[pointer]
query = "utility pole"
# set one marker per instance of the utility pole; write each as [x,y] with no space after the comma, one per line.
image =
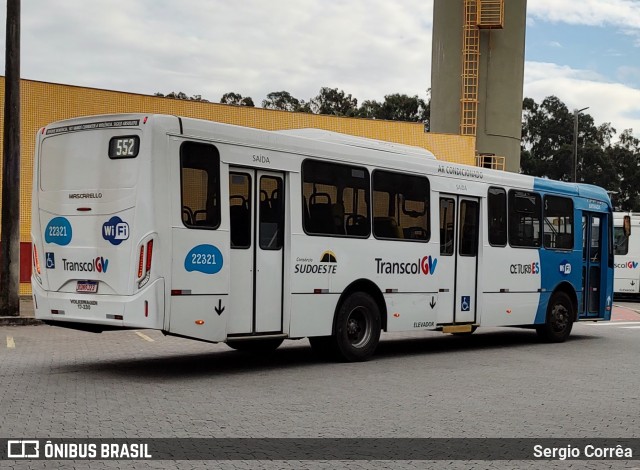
[10,233]
[576,112]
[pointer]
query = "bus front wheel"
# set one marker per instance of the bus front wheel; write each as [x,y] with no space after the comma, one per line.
[357,330]
[559,321]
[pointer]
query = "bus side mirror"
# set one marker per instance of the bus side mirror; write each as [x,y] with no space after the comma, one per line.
[626,226]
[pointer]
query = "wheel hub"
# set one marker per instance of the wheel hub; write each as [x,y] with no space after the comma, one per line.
[559,317]
[358,328]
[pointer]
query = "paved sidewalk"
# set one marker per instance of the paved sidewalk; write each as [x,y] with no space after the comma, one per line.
[624,313]
[26,317]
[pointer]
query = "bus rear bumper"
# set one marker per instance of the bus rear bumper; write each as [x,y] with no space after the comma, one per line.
[142,310]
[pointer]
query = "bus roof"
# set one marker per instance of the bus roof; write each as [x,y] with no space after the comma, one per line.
[362,142]
[572,189]
[332,146]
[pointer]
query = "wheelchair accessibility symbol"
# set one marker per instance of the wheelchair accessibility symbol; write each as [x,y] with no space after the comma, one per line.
[465,304]
[51,260]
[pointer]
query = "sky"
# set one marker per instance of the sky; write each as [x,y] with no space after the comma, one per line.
[585,52]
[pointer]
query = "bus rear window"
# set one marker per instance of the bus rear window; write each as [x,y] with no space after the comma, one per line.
[80,161]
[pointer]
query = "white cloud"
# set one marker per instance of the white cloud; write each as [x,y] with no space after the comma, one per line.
[628,73]
[366,47]
[607,102]
[623,13]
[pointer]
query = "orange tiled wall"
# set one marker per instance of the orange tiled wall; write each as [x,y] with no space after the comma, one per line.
[43,103]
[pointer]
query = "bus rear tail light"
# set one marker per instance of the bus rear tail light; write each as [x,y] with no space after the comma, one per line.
[149,254]
[144,268]
[36,260]
[141,262]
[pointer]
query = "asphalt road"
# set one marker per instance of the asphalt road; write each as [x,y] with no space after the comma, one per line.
[58,383]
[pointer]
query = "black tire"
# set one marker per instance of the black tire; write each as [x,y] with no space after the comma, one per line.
[357,328]
[256,345]
[559,321]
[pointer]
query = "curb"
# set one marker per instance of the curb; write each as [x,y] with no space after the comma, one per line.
[19,321]
[26,315]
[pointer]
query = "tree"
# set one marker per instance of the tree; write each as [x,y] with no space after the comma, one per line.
[547,151]
[181,96]
[335,102]
[370,109]
[236,99]
[547,139]
[397,107]
[626,156]
[281,100]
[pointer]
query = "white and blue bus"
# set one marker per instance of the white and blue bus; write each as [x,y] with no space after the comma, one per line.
[626,253]
[230,234]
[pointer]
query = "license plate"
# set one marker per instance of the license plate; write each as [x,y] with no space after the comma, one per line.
[87,287]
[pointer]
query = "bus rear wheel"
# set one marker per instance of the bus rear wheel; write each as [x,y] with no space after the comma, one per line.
[256,345]
[357,328]
[559,321]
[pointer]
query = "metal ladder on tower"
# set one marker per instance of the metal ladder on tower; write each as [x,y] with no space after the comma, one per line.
[478,14]
[470,69]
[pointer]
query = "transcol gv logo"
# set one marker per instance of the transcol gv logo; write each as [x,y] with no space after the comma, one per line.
[97,265]
[426,265]
[627,265]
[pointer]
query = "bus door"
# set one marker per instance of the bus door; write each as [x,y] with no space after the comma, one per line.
[256,208]
[458,263]
[200,265]
[594,243]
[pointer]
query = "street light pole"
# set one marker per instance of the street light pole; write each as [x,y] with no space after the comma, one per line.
[575,142]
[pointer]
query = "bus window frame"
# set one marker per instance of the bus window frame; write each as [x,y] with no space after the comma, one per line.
[216,189]
[505,214]
[367,191]
[427,213]
[544,219]
[537,195]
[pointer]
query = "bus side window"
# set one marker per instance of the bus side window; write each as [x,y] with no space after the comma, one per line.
[558,223]
[271,222]
[240,209]
[200,185]
[337,199]
[447,226]
[621,241]
[400,206]
[497,214]
[525,214]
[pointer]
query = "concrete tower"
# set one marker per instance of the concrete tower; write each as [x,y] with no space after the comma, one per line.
[477,73]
